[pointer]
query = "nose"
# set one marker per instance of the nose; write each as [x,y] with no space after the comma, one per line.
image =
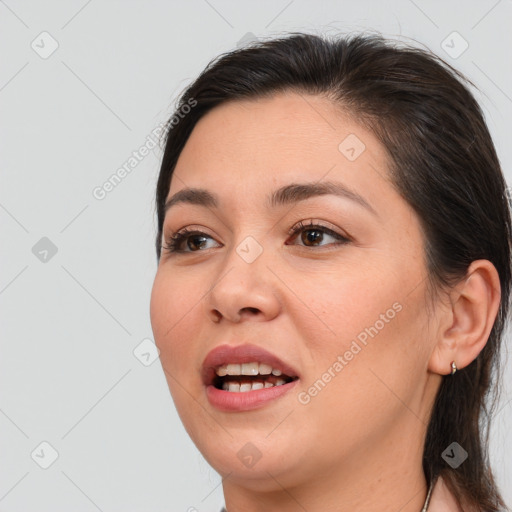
[243,291]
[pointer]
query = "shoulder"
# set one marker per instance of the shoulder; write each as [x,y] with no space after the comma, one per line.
[442,499]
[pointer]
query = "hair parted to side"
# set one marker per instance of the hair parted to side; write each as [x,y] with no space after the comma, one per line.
[441,160]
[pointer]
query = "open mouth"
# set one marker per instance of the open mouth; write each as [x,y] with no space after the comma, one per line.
[243,377]
[246,377]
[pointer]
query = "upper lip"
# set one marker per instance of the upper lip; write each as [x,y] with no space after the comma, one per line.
[247,353]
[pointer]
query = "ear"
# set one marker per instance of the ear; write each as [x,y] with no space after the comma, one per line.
[465,325]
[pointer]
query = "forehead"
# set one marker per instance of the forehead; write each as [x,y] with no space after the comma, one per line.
[247,146]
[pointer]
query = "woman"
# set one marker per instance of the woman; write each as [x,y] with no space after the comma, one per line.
[334,275]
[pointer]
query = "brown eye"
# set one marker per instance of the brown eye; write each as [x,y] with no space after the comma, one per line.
[312,235]
[195,241]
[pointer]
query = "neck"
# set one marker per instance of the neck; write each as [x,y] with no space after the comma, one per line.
[372,489]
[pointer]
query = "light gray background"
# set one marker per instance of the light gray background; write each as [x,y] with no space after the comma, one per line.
[70,324]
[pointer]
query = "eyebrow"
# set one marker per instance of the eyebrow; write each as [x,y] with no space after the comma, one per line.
[291,193]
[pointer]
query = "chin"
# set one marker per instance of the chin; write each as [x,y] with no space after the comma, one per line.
[255,464]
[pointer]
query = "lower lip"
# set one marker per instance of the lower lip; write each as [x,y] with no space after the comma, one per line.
[245,400]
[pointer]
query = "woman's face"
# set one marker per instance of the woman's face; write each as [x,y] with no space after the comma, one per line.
[338,307]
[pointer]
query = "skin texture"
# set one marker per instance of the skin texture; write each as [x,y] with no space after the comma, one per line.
[356,445]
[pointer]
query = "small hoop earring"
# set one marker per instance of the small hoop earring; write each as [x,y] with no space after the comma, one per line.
[454,368]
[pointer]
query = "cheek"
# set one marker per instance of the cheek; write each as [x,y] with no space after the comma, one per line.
[368,332]
[373,314]
[174,310]
[334,308]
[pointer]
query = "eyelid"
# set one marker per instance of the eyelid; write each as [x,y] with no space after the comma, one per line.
[317,223]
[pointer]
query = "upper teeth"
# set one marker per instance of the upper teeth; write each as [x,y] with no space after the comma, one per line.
[247,369]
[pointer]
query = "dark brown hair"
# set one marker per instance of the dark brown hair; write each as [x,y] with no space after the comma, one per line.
[442,161]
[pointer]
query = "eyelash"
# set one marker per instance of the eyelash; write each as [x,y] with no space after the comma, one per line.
[173,243]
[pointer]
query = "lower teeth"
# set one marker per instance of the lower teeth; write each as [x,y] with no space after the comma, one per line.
[237,387]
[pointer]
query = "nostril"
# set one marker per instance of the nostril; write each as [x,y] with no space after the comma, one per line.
[251,310]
